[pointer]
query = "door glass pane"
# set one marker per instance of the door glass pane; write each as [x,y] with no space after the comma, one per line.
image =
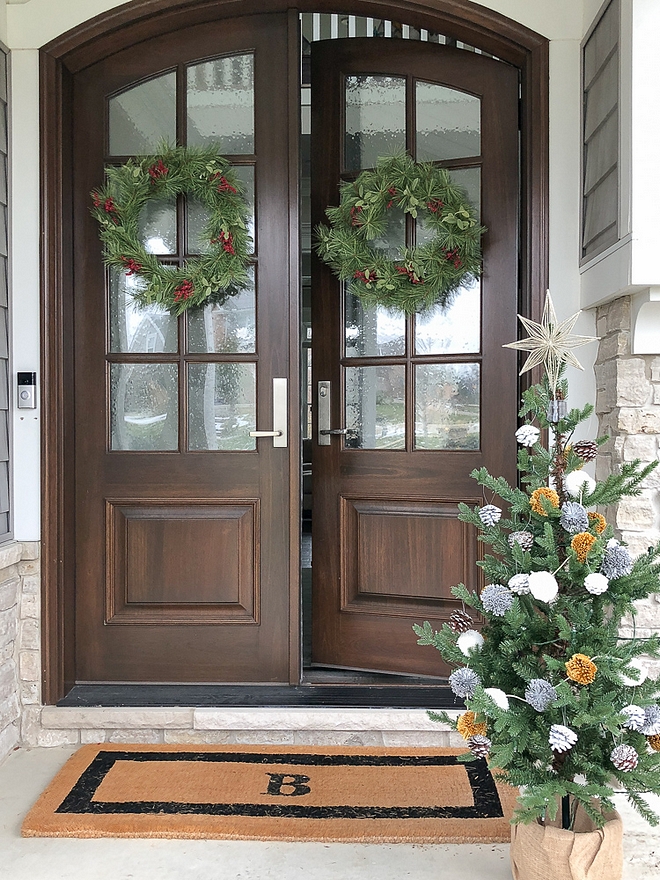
[144,407]
[222,406]
[376,407]
[143,117]
[447,406]
[456,328]
[221,104]
[198,215]
[226,327]
[448,123]
[134,327]
[375,119]
[157,226]
[373,330]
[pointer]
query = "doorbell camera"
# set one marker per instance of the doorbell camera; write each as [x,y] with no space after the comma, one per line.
[27,390]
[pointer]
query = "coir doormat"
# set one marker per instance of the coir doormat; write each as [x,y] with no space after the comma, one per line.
[274,793]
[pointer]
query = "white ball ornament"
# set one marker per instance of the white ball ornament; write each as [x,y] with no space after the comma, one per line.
[543,586]
[578,483]
[498,697]
[469,641]
[596,583]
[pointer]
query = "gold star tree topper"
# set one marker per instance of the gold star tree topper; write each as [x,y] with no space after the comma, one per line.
[550,342]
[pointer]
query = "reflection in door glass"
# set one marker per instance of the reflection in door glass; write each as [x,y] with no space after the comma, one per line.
[375,119]
[447,406]
[221,406]
[134,327]
[143,117]
[144,407]
[221,104]
[224,327]
[448,123]
[373,331]
[456,328]
[376,407]
[157,226]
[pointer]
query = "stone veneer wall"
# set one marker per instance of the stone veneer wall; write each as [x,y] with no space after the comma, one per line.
[628,409]
[19,637]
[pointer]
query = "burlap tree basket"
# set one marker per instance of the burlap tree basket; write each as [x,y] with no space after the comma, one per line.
[546,852]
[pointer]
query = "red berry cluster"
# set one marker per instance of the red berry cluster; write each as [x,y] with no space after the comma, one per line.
[184,291]
[454,258]
[223,185]
[356,220]
[412,277]
[392,191]
[226,239]
[132,265]
[158,170]
[435,205]
[361,275]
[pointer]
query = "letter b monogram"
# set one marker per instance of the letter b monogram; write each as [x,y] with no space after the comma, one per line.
[288,784]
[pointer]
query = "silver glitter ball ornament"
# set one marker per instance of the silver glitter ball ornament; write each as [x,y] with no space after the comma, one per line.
[635,717]
[562,738]
[519,584]
[490,514]
[624,757]
[540,694]
[525,539]
[574,517]
[464,681]
[617,562]
[496,599]
[479,745]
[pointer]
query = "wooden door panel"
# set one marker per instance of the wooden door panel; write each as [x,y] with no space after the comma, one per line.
[387,546]
[182,556]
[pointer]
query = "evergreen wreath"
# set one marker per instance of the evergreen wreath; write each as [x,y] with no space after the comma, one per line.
[422,276]
[203,174]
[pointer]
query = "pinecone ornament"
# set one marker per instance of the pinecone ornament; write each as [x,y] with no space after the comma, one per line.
[540,694]
[586,449]
[624,757]
[490,514]
[479,745]
[635,717]
[562,738]
[519,584]
[460,622]
[525,539]
[464,681]
[527,435]
[496,599]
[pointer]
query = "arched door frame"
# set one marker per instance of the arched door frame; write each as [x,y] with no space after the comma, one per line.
[128,25]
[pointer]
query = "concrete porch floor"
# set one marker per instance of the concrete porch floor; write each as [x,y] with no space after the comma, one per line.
[26,772]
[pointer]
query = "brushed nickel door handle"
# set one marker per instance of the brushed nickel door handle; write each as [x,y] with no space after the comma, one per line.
[279,432]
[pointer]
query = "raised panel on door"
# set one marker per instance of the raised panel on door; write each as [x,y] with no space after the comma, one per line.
[422,400]
[182,565]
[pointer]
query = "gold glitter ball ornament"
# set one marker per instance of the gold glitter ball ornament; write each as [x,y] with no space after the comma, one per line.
[582,544]
[467,726]
[598,522]
[581,669]
[544,492]
[654,742]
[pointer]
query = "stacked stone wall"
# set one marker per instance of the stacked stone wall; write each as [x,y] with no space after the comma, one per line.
[628,409]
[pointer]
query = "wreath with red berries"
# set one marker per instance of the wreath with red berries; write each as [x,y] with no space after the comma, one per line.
[422,276]
[202,174]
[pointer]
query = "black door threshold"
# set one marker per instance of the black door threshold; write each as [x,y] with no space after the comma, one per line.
[337,696]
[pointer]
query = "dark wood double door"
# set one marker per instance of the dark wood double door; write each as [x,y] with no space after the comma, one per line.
[187,535]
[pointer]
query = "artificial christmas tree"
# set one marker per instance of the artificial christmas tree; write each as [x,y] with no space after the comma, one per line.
[559,702]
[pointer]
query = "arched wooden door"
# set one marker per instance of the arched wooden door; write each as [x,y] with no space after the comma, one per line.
[421,401]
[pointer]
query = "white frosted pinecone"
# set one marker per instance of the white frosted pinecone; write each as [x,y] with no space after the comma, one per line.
[540,694]
[463,682]
[479,745]
[586,449]
[624,757]
[527,435]
[519,584]
[635,717]
[490,514]
[496,599]
[525,539]
[574,517]
[562,738]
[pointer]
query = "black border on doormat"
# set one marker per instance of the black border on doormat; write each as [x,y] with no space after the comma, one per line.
[487,804]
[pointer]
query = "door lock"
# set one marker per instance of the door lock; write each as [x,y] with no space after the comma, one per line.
[325,432]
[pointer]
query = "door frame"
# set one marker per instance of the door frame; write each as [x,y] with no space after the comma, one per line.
[131,24]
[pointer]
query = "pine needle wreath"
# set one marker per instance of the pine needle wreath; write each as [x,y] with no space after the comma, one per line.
[202,174]
[422,276]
